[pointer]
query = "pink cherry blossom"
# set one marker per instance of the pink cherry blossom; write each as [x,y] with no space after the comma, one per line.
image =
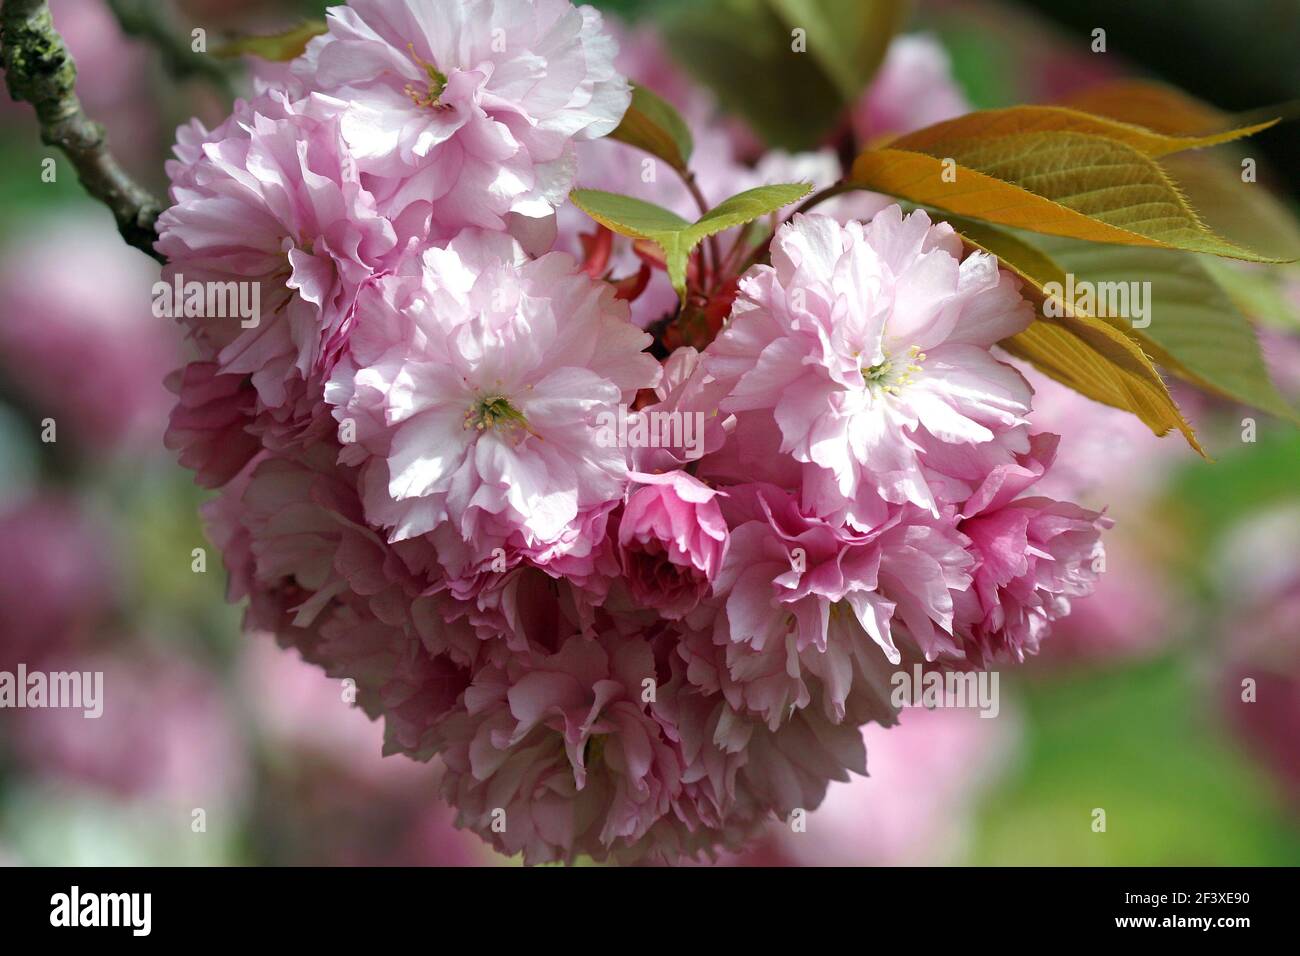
[272,203]
[628,650]
[869,344]
[209,425]
[814,611]
[571,755]
[464,113]
[476,390]
[565,749]
[1033,555]
[672,541]
[685,389]
[294,542]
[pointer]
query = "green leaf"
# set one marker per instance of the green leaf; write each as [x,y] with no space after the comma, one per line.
[652,124]
[847,38]
[277,47]
[977,139]
[1078,350]
[1260,294]
[1245,213]
[628,216]
[1050,170]
[747,206]
[744,50]
[633,217]
[1197,332]
[1242,211]
[1156,106]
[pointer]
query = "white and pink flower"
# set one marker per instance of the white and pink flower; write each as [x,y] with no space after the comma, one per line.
[465,113]
[476,387]
[1033,555]
[623,649]
[273,201]
[672,541]
[870,347]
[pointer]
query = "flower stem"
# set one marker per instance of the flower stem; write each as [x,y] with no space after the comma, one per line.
[715,253]
[821,196]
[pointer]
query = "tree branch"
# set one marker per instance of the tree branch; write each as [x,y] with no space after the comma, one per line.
[142,21]
[39,70]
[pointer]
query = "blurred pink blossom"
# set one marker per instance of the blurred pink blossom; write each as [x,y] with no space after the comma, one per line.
[55,579]
[924,780]
[1259,575]
[912,89]
[78,334]
[296,705]
[166,733]
[1109,459]
[1282,353]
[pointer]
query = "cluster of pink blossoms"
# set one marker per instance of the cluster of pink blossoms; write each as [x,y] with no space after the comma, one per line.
[431,480]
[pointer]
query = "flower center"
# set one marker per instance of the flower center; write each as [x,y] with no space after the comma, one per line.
[889,376]
[427,97]
[493,411]
[594,750]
